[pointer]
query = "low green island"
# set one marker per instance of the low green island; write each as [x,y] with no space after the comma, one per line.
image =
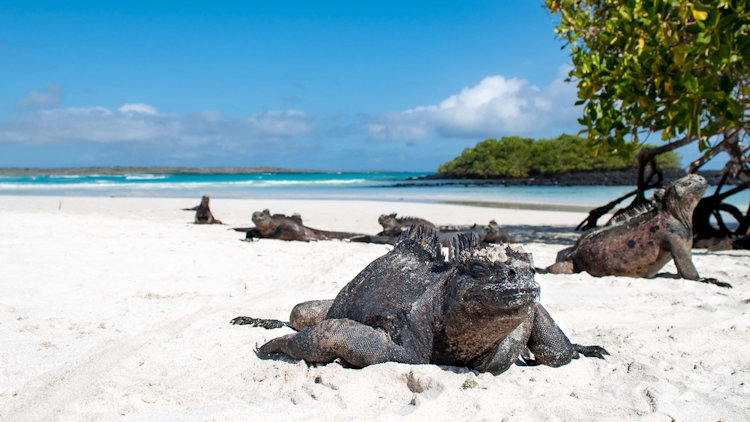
[517,157]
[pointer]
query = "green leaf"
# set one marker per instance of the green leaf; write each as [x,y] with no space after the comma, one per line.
[670,66]
[703,38]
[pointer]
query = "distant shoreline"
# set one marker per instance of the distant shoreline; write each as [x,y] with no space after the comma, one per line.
[616,177]
[129,170]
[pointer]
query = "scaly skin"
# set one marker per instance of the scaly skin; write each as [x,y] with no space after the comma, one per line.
[479,310]
[278,226]
[203,213]
[394,226]
[641,245]
[491,233]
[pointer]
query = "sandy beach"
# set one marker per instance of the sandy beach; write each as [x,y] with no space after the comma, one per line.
[119,309]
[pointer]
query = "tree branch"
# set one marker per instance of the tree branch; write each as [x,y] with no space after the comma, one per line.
[721,146]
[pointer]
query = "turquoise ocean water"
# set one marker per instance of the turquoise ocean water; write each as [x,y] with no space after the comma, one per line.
[368,186]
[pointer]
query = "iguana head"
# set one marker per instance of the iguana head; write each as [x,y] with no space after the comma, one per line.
[388,221]
[495,233]
[489,293]
[681,196]
[264,222]
[497,279]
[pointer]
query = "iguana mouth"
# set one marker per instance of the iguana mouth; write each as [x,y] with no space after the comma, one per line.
[502,298]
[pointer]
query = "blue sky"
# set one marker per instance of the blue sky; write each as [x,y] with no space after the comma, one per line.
[328,85]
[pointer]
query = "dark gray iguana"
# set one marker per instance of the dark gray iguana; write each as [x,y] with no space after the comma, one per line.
[394,226]
[479,310]
[279,226]
[640,245]
[491,233]
[203,213]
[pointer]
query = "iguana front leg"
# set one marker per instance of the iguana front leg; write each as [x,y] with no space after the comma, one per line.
[506,352]
[683,260]
[551,346]
[358,344]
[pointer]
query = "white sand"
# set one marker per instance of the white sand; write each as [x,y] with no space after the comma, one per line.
[119,309]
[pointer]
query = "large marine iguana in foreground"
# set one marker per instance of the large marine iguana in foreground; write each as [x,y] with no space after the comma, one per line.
[640,245]
[203,213]
[282,227]
[480,309]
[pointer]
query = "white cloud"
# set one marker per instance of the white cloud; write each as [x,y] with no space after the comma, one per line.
[49,96]
[143,123]
[137,108]
[493,107]
[280,123]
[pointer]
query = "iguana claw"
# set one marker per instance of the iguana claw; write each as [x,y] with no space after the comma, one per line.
[591,351]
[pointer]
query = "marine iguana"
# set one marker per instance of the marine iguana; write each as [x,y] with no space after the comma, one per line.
[282,227]
[203,213]
[491,233]
[480,309]
[640,245]
[394,226]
